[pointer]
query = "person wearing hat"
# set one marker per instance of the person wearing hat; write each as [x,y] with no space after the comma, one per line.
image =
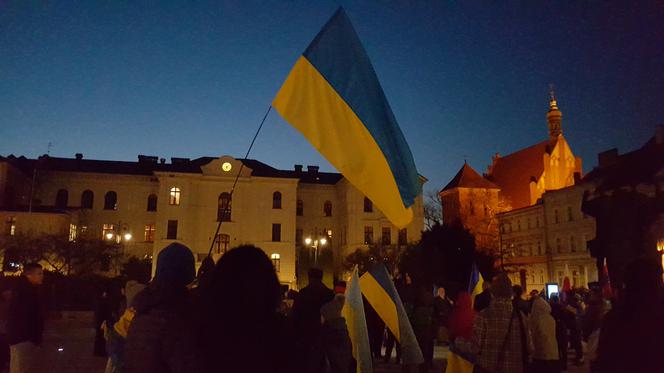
[160,337]
[501,332]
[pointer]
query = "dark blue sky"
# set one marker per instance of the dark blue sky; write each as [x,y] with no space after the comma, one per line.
[465,79]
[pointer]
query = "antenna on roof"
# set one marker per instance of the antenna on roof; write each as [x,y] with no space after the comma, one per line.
[48,148]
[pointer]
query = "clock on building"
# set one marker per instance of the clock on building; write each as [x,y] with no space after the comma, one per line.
[226,166]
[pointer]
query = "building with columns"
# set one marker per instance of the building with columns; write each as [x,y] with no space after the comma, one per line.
[154,203]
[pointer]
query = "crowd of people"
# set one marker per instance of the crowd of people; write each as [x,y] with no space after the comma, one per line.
[235,317]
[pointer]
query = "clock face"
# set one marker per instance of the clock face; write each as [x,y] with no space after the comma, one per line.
[226,166]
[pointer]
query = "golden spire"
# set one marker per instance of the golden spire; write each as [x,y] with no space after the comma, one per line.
[553,104]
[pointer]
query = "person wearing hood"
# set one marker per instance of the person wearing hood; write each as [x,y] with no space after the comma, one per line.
[160,337]
[543,329]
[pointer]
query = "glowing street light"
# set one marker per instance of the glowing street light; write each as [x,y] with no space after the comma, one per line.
[127,236]
[109,236]
[315,243]
[307,241]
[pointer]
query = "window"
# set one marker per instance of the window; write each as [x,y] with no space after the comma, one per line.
[111,201]
[276,261]
[403,237]
[149,233]
[537,222]
[558,246]
[72,232]
[486,210]
[471,207]
[572,244]
[570,216]
[518,225]
[556,218]
[62,198]
[502,228]
[528,223]
[276,200]
[87,198]
[298,237]
[221,243]
[368,235]
[539,248]
[276,232]
[368,205]
[152,202]
[300,208]
[11,225]
[386,237]
[327,208]
[172,230]
[224,207]
[107,231]
[174,196]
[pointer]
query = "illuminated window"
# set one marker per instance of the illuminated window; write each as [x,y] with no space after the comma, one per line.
[276,232]
[62,198]
[149,233]
[11,225]
[300,208]
[276,261]
[327,208]
[224,207]
[72,232]
[368,205]
[108,230]
[386,237]
[276,200]
[152,202]
[368,235]
[172,230]
[87,199]
[222,241]
[403,237]
[174,196]
[111,201]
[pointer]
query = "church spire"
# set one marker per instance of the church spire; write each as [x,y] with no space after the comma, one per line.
[554,116]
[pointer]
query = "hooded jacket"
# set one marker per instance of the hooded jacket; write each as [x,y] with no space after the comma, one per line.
[543,329]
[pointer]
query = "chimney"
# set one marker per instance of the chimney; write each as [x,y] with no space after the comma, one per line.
[607,158]
[78,156]
[312,170]
[659,134]
[162,160]
[147,159]
[298,169]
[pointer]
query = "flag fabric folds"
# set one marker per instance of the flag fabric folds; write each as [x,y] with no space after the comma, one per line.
[380,292]
[353,312]
[475,283]
[457,364]
[333,97]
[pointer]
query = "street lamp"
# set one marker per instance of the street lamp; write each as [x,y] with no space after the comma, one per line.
[315,243]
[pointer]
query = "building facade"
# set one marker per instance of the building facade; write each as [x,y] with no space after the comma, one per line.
[145,205]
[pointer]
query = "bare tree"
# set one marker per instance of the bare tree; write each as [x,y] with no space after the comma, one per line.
[433,210]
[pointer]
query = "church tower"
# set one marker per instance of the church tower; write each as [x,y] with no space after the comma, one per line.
[554,118]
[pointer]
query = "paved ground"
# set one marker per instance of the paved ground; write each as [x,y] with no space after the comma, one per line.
[74,335]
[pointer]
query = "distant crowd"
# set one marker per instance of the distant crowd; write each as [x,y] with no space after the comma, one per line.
[234,316]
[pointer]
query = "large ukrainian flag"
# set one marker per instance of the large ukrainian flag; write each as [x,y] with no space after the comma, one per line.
[333,97]
[381,293]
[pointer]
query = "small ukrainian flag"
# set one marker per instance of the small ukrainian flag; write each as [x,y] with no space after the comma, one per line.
[333,97]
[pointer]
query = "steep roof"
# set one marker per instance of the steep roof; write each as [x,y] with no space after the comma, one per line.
[514,172]
[469,178]
[147,167]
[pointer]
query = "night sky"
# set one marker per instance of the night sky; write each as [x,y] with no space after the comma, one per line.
[465,79]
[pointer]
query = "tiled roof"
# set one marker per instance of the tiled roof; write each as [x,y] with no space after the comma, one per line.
[514,172]
[467,177]
[182,165]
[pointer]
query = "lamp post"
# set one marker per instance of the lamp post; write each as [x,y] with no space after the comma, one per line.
[120,235]
[315,243]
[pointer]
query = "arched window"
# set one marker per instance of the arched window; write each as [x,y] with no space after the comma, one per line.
[222,242]
[327,208]
[556,218]
[62,198]
[224,207]
[570,216]
[368,205]
[300,208]
[572,244]
[87,198]
[276,200]
[111,201]
[174,196]
[152,202]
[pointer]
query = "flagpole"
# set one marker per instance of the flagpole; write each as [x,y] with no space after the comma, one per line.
[237,177]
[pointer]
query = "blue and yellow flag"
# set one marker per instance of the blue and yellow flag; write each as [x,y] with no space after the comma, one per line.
[353,312]
[475,283]
[458,364]
[333,97]
[380,292]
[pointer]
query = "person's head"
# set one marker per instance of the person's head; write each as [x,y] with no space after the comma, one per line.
[554,299]
[501,286]
[534,293]
[315,275]
[441,292]
[407,279]
[175,266]
[34,273]
[517,290]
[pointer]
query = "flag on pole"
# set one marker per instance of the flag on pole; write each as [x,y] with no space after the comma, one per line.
[475,283]
[353,312]
[333,97]
[379,290]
